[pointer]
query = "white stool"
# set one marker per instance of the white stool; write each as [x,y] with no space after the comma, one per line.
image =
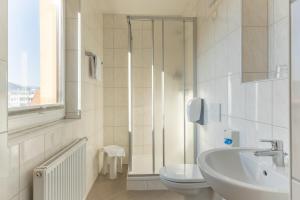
[113,159]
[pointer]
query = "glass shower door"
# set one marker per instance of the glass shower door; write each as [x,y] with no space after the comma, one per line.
[142,103]
[173,68]
[161,82]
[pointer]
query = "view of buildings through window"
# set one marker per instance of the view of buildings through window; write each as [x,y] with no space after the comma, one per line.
[32,52]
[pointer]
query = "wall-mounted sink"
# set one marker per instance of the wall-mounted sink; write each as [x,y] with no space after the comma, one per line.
[237,174]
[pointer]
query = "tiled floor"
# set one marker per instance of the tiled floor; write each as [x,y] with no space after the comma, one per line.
[105,189]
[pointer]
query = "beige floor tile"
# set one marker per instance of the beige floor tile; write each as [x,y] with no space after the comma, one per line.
[105,189]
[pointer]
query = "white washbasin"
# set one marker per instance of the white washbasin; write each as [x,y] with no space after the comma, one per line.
[237,174]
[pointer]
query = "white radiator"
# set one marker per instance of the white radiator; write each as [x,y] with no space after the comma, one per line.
[63,176]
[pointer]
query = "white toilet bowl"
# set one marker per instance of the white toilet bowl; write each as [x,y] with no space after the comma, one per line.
[187,180]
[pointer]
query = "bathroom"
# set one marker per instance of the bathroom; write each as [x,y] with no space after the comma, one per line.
[161,99]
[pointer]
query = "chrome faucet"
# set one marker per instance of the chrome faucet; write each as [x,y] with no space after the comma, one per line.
[276,152]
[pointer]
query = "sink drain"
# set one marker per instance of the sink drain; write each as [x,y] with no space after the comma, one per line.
[265,173]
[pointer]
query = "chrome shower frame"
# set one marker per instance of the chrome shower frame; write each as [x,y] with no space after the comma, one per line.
[130,107]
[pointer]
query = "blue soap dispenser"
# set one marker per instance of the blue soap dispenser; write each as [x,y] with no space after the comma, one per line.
[231,138]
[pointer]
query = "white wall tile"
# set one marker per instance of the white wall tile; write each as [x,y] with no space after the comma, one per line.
[281,9]
[147,39]
[3,32]
[3,96]
[138,116]
[295,138]
[109,96]
[147,77]
[251,132]
[4,168]
[71,94]
[147,58]
[136,38]
[121,117]
[15,197]
[14,172]
[281,43]
[121,135]
[147,25]
[121,77]
[259,101]
[121,96]
[221,58]
[120,21]
[89,102]
[121,38]
[148,135]
[207,91]
[108,42]
[109,77]
[108,21]
[234,14]
[137,57]
[108,57]
[236,97]
[72,34]
[147,115]
[136,25]
[139,136]
[26,194]
[108,135]
[121,58]
[222,94]
[257,132]
[295,190]
[138,77]
[31,155]
[109,113]
[207,66]
[234,52]
[280,103]
[221,21]
[53,141]
[72,65]
[71,132]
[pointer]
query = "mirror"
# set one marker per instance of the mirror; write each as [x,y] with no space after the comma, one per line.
[264,41]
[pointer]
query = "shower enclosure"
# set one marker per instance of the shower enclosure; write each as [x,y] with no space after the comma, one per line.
[162,78]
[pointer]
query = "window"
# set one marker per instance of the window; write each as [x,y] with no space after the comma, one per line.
[34,54]
[35,69]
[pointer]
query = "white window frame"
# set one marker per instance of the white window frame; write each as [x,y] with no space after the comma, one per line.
[22,118]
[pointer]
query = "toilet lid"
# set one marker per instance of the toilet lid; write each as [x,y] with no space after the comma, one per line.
[182,173]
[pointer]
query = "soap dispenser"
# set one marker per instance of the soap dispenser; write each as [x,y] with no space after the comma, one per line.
[195,111]
[232,138]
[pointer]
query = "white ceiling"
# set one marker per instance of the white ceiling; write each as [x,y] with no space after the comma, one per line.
[147,7]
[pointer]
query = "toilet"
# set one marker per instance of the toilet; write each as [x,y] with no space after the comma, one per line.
[187,180]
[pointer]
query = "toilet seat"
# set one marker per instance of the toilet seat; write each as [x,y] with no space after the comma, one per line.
[184,186]
[188,174]
[186,180]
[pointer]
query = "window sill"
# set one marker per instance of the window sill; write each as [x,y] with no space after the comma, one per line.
[34,109]
[22,120]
